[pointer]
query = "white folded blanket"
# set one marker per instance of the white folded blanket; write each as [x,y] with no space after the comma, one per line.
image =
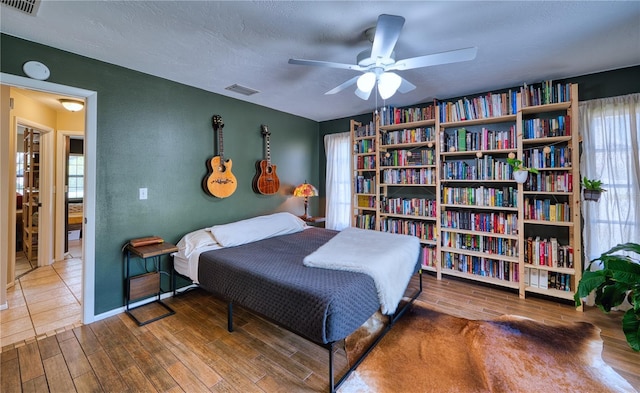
[388,258]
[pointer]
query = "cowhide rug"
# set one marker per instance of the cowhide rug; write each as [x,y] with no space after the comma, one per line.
[427,351]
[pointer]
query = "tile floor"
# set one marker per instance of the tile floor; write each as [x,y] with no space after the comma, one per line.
[23,265]
[45,300]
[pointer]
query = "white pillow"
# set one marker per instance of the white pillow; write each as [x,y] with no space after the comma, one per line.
[194,240]
[257,228]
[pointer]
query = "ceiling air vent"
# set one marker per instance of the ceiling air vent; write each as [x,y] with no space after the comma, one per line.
[28,6]
[241,89]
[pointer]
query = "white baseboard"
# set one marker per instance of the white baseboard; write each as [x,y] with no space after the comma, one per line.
[122,309]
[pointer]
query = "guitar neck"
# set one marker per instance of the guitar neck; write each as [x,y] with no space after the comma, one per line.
[268,149]
[220,144]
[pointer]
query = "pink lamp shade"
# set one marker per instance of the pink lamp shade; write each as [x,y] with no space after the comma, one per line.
[305,190]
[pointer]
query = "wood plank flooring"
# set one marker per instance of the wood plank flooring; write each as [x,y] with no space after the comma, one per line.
[191,351]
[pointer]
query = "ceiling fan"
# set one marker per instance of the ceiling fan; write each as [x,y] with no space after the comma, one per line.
[378,64]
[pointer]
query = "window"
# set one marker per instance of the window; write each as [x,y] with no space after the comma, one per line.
[76,176]
[20,172]
[610,153]
[338,183]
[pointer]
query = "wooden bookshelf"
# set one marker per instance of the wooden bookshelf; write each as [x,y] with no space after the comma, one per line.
[470,140]
[364,178]
[552,146]
[31,194]
[409,171]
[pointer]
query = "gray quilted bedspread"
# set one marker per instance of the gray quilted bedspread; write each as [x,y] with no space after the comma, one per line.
[268,277]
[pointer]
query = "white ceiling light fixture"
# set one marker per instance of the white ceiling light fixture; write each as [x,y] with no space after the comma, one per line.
[388,84]
[366,81]
[72,105]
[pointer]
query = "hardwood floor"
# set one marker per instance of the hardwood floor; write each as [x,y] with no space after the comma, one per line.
[191,351]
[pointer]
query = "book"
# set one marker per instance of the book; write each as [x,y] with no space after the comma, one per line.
[534,276]
[462,139]
[543,279]
[145,241]
[554,252]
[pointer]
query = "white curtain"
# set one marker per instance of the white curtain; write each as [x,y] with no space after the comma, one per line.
[338,183]
[610,153]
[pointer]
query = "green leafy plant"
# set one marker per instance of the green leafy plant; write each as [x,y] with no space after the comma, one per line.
[594,185]
[618,280]
[517,165]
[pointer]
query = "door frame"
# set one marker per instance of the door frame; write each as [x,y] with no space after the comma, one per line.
[90,146]
[45,216]
[60,197]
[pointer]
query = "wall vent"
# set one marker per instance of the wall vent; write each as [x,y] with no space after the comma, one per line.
[27,6]
[236,88]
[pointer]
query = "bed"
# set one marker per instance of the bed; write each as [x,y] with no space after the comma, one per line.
[75,217]
[265,265]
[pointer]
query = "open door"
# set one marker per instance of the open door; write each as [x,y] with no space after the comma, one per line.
[66,192]
[74,189]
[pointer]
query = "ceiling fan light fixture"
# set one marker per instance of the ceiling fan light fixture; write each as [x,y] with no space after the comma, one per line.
[388,84]
[366,81]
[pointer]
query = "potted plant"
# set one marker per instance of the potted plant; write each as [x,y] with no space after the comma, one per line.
[520,172]
[592,189]
[618,280]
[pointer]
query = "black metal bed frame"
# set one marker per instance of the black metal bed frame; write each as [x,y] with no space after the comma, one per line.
[332,345]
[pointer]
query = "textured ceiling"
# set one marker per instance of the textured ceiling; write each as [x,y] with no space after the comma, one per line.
[214,44]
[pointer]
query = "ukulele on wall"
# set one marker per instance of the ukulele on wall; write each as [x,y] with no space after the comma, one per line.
[266,181]
[220,182]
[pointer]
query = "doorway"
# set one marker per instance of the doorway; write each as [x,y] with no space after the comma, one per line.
[27,199]
[45,295]
[7,203]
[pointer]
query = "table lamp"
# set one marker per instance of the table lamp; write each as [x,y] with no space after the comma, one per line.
[305,190]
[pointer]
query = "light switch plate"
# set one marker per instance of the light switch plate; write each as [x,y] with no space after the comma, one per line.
[143,193]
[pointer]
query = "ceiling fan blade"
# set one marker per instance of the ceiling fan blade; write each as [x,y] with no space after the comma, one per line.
[406,86]
[344,85]
[453,56]
[363,94]
[387,34]
[330,64]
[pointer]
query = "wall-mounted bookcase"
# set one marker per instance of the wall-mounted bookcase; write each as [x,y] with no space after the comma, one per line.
[440,173]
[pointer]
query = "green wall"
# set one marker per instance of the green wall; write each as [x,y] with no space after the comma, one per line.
[157,134]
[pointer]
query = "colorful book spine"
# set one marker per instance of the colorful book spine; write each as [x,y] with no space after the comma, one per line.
[480,196]
[496,222]
[413,135]
[485,267]
[409,206]
[420,229]
[545,93]
[422,176]
[481,107]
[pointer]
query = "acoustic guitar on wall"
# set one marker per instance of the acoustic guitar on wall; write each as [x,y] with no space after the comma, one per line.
[266,181]
[220,182]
